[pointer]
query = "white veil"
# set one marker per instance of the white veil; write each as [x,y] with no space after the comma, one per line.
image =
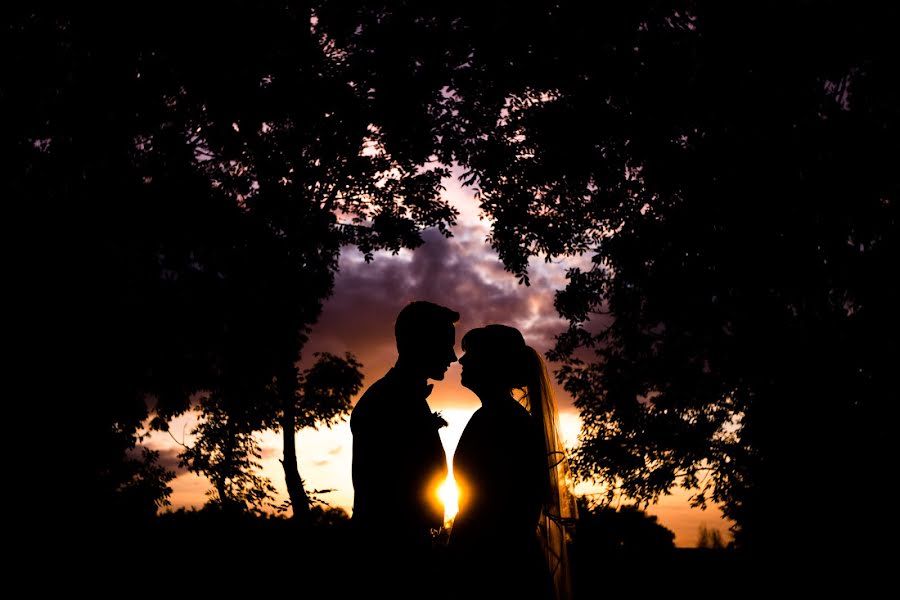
[560,512]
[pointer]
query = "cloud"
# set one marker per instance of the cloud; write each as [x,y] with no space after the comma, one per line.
[168,455]
[168,458]
[462,272]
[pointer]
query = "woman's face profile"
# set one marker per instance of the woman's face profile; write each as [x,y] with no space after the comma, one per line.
[475,368]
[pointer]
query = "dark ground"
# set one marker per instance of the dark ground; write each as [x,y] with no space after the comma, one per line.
[180,556]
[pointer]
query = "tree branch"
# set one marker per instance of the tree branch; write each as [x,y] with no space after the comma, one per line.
[182,444]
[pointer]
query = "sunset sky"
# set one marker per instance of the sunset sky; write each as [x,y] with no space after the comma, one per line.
[463,273]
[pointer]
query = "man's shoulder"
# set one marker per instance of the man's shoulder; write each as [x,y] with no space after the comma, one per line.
[383,388]
[370,404]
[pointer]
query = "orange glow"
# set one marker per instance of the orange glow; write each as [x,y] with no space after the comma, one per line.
[449,495]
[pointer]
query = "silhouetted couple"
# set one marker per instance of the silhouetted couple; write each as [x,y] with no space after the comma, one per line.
[508,538]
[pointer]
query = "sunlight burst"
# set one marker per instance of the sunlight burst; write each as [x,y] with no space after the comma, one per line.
[449,495]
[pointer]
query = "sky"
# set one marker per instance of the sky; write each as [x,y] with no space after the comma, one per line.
[463,273]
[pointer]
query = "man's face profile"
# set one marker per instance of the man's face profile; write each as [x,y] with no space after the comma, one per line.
[437,351]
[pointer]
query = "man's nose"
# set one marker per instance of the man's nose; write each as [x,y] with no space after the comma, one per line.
[453,357]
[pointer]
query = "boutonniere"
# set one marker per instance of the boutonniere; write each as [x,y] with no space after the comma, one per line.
[437,420]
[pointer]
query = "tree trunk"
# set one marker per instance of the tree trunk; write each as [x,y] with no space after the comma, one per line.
[296,492]
[226,502]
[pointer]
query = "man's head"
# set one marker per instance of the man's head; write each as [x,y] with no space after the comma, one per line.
[426,335]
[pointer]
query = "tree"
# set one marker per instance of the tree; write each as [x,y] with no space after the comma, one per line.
[606,530]
[734,331]
[710,538]
[203,168]
[227,453]
[731,171]
[736,328]
[322,397]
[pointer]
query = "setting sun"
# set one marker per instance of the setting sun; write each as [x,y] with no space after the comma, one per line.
[449,495]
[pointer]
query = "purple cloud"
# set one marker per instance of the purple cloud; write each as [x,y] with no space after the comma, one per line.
[461,272]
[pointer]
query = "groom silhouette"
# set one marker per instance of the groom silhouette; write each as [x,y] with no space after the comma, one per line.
[398,458]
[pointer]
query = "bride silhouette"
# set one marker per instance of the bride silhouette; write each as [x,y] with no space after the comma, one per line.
[508,538]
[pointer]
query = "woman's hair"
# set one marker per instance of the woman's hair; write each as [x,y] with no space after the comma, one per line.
[510,356]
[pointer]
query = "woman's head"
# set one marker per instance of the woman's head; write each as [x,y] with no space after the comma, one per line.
[496,356]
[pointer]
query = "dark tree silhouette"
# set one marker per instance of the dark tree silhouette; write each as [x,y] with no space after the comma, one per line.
[731,169]
[227,452]
[733,172]
[203,168]
[624,530]
[322,397]
[622,551]
[710,539]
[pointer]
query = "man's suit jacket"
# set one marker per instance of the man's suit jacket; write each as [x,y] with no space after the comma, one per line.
[398,460]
